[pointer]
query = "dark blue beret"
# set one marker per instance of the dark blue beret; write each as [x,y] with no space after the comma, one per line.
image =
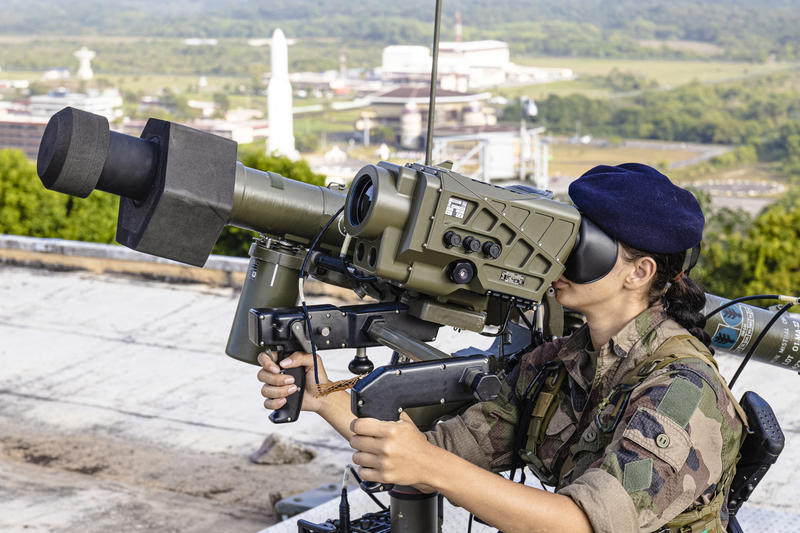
[639,206]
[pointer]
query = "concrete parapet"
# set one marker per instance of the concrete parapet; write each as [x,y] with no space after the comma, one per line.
[64,255]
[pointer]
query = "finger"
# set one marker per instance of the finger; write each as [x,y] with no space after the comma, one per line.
[299,359]
[369,474]
[367,460]
[274,379]
[366,444]
[274,404]
[268,391]
[269,365]
[372,427]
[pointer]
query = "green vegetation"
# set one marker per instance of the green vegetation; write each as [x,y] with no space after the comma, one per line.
[27,208]
[761,256]
[735,29]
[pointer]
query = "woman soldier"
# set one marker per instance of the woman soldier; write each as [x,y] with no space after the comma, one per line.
[627,417]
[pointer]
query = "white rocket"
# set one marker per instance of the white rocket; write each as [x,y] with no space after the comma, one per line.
[279,100]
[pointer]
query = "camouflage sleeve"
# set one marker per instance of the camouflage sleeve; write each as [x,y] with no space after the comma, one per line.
[484,433]
[675,439]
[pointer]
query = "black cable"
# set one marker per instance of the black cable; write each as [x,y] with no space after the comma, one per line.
[372,496]
[743,299]
[752,349]
[303,303]
[504,324]
[469,524]
[316,240]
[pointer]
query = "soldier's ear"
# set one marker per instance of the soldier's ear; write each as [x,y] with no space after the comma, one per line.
[641,274]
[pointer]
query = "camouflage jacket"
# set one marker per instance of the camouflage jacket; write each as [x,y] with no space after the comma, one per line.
[677,435]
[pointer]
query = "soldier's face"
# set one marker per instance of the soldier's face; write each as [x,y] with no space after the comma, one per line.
[599,296]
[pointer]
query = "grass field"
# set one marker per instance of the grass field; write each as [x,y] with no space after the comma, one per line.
[572,160]
[667,73]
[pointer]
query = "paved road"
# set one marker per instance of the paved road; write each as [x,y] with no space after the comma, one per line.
[119,411]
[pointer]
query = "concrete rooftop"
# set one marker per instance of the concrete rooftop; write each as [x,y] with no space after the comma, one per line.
[119,410]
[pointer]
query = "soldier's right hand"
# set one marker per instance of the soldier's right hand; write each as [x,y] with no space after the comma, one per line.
[278,386]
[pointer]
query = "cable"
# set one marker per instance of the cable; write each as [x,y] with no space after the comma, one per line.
[371,495]
[752,349]
[344,505]
[301,281]
[317,239]
[747,299]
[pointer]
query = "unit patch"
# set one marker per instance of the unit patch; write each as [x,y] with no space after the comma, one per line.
[680,401]
[637,475]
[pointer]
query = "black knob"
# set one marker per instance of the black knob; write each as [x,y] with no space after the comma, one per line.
[361,365]
[451,238]
[492,249]
[484,386]
[471,244]
[461,272]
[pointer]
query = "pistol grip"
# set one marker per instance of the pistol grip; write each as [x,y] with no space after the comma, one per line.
[291,409]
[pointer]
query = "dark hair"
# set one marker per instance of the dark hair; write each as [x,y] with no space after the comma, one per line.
[684,300]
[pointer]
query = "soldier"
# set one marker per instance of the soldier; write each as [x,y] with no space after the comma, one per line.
[627,418]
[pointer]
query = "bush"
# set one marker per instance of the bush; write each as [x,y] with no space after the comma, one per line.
[27,208]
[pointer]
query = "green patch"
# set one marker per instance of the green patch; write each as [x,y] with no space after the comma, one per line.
[680,401]
[638,475]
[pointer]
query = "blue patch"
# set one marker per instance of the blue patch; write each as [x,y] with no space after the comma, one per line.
[578,396]
[692,461]
[626,456]
[732,315]
[646,424]
[688,373]
[656,483]
[656,393]
[725,337]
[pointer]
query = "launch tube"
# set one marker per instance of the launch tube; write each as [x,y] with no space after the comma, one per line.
[734,330]
[178,186]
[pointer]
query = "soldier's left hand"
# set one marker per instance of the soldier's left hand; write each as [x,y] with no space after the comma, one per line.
[391,452]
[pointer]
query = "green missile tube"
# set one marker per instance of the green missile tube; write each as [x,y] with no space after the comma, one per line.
[735,329]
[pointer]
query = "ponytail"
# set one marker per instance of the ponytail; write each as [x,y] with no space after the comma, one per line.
[682,298]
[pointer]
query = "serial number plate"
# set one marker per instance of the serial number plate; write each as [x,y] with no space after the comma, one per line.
[512,277]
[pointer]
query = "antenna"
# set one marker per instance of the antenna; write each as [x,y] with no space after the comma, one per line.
[434,74]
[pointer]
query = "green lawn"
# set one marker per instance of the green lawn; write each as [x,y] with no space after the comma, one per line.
[667,73]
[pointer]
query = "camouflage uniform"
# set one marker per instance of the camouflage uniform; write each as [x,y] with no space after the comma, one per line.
[677,435]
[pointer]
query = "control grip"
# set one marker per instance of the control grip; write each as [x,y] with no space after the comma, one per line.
[290,411]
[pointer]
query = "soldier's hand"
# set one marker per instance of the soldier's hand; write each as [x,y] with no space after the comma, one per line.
[278,386]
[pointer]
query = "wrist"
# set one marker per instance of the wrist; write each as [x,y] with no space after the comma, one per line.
[434,464]
[329,404]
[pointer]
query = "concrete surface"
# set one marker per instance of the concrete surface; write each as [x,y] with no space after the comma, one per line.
[120,411]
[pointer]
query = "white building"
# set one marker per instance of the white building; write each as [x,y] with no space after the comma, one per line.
[463,66]
[107,103]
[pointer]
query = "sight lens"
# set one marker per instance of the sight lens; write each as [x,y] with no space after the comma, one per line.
[362,201]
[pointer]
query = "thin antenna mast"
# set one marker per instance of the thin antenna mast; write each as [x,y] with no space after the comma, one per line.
[434,76]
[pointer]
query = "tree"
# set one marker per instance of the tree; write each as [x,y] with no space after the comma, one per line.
[761,258]
[27,208]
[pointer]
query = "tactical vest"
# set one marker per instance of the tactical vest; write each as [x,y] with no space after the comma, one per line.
[541,399]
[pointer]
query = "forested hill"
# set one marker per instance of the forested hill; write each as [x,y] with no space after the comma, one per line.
[740,28]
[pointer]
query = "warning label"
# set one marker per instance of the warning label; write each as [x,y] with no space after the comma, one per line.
[456,207]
